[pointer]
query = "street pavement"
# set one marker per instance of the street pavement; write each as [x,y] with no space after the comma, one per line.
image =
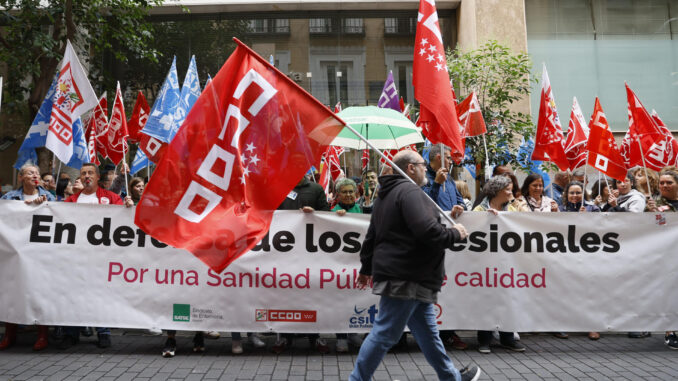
[136,356]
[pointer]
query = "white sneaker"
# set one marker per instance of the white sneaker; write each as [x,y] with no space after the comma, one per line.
[154,331]
[256,341]
[516,336]
[355,339]
[342,346]
[236,347]
[212,334]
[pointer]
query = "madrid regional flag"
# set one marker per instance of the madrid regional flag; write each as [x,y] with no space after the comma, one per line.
[247,141]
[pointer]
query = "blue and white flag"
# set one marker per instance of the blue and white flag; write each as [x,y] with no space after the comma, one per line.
[426,151]
[140,162]
[389,95]
[190,92]
[471,168]
[37,135]
[159,124]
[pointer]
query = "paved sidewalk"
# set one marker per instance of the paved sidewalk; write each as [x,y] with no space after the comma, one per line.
[135,356]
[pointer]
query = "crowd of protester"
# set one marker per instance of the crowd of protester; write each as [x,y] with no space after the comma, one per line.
[643,190]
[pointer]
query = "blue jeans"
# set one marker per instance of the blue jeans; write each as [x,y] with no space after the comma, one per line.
[393,316]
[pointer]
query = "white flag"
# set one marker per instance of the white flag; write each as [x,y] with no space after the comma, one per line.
[73,96]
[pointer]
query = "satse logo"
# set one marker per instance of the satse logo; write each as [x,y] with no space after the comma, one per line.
[363,317]
[182,312]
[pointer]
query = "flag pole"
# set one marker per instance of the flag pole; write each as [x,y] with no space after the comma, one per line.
[647,178]
[124,144]
[400,171]
[442,162]
[487,159]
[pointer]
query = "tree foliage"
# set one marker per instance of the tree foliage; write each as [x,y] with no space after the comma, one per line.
[34,34]
[500,78]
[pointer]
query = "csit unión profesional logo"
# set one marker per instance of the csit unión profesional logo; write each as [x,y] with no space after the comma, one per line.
[363,317]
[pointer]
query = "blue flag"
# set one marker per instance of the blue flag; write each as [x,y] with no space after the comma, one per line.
[426,151]
[190,92]
[140,162]
[159,124]
[389,94]
[471,168]
[524,158]
[37,135]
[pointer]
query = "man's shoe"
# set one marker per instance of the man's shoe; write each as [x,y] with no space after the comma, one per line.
[213,335]
[199,343]
[455,342]
[104,340]
[561,335]
[484,348]
[342,346]
[170,347]
[321,346]
[257,342]
[594,335]
[86,331]
[236,347]
[470,374]
[68,341]
[639,335]
[154,331]
[280,346]
[513,345]
[355,339]
[671,340]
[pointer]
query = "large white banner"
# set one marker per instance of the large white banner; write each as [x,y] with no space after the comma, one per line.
[72,264]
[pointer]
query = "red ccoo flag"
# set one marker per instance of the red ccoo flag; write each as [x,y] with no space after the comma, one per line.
[116,144]
[548,143]
[603,152]
[138,119]
[643,131]
[99,120]
[247,141]
[577,135]
[471,122]
[432,88]
[666,152]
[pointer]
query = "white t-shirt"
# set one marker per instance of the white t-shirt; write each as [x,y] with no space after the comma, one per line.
[31,197]
[88,198]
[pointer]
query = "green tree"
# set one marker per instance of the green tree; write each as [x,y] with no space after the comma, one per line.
[500,78]
[34,34]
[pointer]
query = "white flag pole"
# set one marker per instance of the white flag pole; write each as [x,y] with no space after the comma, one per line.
[487,160]
[647,178]
[442,161]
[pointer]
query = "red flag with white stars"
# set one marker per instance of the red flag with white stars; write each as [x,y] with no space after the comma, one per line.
[438,116]
[247,141]
[603,152]
[138,119]
[549,139]
[577,135]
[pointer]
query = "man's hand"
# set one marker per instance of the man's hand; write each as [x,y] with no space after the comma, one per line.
[341,212]
[125,168]
[441,176]
[307,209]
[457,210]
[37,201]
[461,229]
[612,200]
[128,201]
[363,281]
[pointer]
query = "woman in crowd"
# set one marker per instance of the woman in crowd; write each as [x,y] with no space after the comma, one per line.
[625,198]
[30,192]
[136,188]
[498,193]
[533,192]
[667,202]
[347,193]
[600,193]
[462,187]
[64,189]
[573,201]
[650,188]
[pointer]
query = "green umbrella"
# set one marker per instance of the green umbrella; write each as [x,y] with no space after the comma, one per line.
[383,127]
